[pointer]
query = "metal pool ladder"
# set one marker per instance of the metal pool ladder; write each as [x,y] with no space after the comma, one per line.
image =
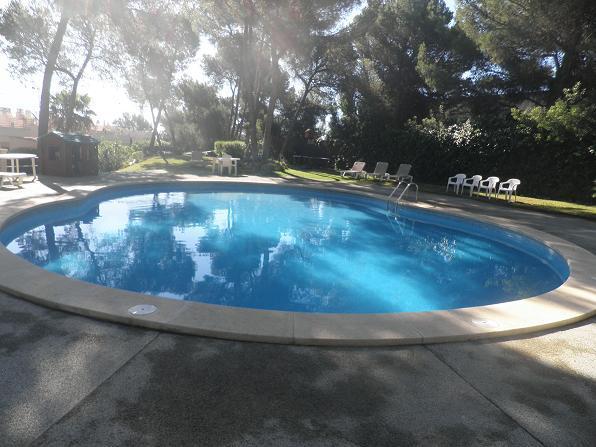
[400,193]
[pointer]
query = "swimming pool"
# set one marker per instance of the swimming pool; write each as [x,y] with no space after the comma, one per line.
[283,249]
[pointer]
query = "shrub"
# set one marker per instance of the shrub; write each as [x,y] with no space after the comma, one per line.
[234,148]
[113,155]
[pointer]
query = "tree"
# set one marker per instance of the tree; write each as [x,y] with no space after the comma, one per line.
[35,34]
[29,52]
[265,34]
[408,60]
[158,41]
[66,118]
[133,122]
[204,111]
[535,45]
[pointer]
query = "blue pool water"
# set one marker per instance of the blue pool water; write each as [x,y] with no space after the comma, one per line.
[283,249]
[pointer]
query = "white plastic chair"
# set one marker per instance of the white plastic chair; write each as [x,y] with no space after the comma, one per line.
[509,188]
[380,170]
[226,162]
[402,174]
[471,183]
[356,171]
[456,181]
[489,185]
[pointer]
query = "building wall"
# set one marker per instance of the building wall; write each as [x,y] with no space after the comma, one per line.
[18,130]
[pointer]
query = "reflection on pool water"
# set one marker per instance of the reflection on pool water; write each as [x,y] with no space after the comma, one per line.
[283,249]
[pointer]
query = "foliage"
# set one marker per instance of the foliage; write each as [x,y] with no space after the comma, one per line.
[233,148]
[114,155]
[132,122]
[81,116]
[540,47]
[54,36]
[203,111]
[158,41]
[394,80]
[561,141]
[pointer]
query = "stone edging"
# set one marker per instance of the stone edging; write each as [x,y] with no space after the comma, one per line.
[571,302]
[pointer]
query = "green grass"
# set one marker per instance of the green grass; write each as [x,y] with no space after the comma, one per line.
[555,206]
[175,165]
[322,176]
[178,165]
[532,203]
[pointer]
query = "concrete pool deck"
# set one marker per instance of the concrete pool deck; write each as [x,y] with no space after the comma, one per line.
[71,380]
[571,302]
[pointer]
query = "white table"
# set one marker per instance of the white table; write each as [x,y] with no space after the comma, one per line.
[217,164]
[14,161]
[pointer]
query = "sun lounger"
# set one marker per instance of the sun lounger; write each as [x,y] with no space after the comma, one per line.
[380,171]
[356,171]
[402,174]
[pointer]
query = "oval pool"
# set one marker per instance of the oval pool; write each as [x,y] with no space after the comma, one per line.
[282,248]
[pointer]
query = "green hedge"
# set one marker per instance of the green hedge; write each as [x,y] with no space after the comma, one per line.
[234,148]
[551,150]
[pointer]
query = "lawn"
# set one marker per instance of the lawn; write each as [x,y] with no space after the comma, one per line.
[178,165]
[175,165]
[545,205]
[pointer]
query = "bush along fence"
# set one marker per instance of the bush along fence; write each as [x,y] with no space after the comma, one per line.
[233,148]
[552,150]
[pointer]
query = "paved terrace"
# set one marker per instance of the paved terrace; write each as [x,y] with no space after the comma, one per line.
[70,380]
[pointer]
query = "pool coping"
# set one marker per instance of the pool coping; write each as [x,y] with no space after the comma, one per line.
[573,301]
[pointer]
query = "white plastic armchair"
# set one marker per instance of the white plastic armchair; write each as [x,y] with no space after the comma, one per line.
[380,170]
[471,183]
[226,162]
[356,171]
[456,181]
[489,185]
[402,174]
[509,188]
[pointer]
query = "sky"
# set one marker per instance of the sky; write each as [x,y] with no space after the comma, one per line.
[108,100]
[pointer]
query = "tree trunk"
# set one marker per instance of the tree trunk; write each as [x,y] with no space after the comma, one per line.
[268,125]
[44,103]
[236,108]
[565,75]
[252,88]
[294,119]
[240,125]
[231,123]
[155,120]
[72,100]
[72,104]
[154,135]
[170,126]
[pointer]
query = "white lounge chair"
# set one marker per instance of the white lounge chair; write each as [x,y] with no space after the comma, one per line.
[402,174]
[509,188]
[456,181]
[489,185]
[356,171]
[380,171]
[471,183]
[14,178]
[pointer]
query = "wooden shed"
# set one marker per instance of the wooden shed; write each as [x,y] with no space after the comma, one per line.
[68,154]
